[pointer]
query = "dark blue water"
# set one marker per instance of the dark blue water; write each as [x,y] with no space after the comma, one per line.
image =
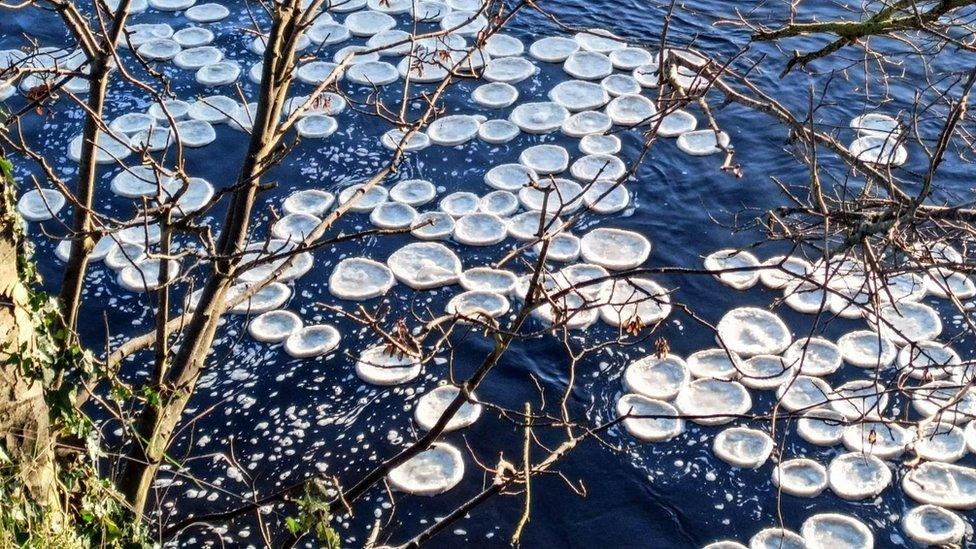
[283,419]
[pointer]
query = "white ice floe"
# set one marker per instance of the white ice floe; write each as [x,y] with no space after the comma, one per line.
[803,393]
[464,23]
[147,276]
[193,37]
[206,13]
[629,58]
[477,304]
[295,227]
[359,278]
[495,95]
[631,110]
[908,322]
[600,144]
[588,65]
[662,422]
[510,70]
[876,124]
[274,326]
[743,447]
[313,202]
[728,259]
[599,40]
[634,299]
[749,331]
[586,123]
[218,74]
[928,360]
[579,95]
[563,248]
[393,215]
[487,279]
[430,11]
[860,398]
[948,284]
[593,167]
[153,140]
[356,55]
[800,477]
[500,203]
[947,400]
[539,117]
[821,426]
[366,200]
[714,364]
[109,149]
[159,49]
[867,349]
[544,159]
[939,441]
[877,438]
[606,197]
[659,378]
[432,405]
[316,72]
[525,226]
[214,109]
[131,123]
[776,538]
[397,139]
[431,472]
[123,254]
[510,177]
[814,356]
[380,365]
[268,298]
[553,49]
[765,372]
[40,204]
[195,133]
[459,204]
[368,23]
[703,142]
[834,530]
[433,226]
[372,73]
[389,6]
[615,249]
[879,150]
[171,5]
[675,123]
[326,34]
[453,130]
[620,84]
[931,525]
[425,265]
[312,341]
[413,192]
[497,132]
[556,195]
[140,232]
[943,484]
[504,45]
[480,229]
[316,126]
[857,476]
[713,401]
[779,271]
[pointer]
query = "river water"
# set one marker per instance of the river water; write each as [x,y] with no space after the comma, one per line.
[285,418]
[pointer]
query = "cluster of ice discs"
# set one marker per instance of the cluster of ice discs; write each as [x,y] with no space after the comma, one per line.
[898,352]
[528,199]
